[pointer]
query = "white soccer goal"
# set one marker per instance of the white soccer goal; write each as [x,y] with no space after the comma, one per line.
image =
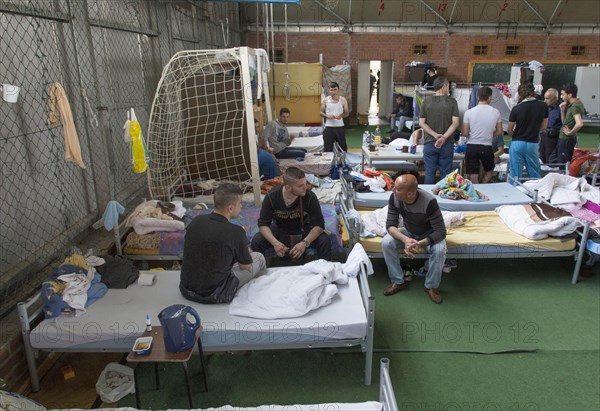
[202,122]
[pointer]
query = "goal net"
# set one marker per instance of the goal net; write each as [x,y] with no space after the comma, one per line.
[199,128]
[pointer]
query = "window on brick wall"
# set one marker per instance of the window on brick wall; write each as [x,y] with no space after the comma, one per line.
[421,49]
[513,50]
[577,50]
[279,55]
[480,50]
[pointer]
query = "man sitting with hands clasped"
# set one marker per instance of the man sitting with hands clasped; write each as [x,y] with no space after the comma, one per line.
[423,228]
[291,220]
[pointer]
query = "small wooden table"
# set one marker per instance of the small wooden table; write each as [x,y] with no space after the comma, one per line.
[158,354]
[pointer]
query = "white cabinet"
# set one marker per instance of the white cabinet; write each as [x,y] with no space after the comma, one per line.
[587,80]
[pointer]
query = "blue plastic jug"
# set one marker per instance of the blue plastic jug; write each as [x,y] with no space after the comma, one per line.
[178,330]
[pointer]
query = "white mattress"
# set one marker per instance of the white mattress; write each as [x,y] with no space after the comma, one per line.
[318,165]
[337,406]
[498,193]
[115,321]
[310,144]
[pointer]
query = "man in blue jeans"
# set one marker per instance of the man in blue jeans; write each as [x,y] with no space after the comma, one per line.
[423,228]
[525,122]
[439,119]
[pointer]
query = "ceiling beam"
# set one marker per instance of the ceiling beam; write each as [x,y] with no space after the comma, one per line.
[439,16]
[554,12]
[452,12]
[333,13]
[535,12]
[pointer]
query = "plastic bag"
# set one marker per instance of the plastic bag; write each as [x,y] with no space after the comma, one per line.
[14,401]
[115,382]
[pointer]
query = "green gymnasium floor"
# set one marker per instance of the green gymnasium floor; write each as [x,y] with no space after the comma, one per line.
[510,335]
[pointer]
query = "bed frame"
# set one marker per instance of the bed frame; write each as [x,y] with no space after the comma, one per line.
[387,399]
[354,226]
[30,313]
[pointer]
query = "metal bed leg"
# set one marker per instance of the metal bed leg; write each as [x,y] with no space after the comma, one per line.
[31,363]
[582,245]
[386,390]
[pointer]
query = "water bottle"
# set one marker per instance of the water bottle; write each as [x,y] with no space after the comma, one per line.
[371,142]
[377,136]
[148,323]
[365,138]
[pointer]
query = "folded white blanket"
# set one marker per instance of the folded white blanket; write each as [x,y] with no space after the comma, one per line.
[522,220]
[145,225]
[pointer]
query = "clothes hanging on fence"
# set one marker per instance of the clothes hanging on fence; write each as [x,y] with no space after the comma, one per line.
[59,114]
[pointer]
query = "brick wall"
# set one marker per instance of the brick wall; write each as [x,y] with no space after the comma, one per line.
[306,47]
[13,365]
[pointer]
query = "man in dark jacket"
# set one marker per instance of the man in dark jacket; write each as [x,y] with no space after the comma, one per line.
[291,220]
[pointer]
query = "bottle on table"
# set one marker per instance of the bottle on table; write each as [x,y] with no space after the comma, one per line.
[377,136]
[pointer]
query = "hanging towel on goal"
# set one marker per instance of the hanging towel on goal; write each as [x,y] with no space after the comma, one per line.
[59,114]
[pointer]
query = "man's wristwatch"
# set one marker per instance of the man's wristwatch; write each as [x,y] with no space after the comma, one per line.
[306,243]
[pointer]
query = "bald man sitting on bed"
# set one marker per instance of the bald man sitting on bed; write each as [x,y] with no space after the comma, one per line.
[423,228]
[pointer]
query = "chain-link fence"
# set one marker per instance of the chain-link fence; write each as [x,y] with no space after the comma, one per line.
[108,56]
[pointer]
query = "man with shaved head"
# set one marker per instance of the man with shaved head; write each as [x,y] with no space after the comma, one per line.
[414,222]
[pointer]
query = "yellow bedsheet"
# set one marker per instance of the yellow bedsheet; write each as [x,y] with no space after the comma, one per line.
[485,228]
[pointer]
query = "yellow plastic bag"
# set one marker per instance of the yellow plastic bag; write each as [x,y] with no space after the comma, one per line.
[137,145]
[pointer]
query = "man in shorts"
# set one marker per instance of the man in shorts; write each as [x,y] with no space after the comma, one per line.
[480,125]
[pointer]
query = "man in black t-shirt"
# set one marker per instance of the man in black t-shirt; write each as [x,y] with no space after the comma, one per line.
[216,257]
[525,121]
[291,220]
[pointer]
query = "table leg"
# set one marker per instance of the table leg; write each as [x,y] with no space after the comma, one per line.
[187,382]
[137,388]
[156,376]
[201,352]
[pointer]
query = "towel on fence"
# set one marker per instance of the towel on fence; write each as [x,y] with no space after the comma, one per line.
[111,214]
[59,114]
[456,187]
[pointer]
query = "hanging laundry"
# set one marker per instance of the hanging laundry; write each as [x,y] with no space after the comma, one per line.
[60,115]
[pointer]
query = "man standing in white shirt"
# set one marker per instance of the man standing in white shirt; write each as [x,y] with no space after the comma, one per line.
[480,124]
[334,108]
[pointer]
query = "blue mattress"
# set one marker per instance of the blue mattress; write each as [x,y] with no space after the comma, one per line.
[498,193]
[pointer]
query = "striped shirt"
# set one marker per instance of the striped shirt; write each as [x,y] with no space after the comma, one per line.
[422,219]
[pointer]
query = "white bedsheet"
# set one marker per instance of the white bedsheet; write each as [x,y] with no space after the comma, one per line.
[294,291]
[310,144]
[337,406]
[564,191]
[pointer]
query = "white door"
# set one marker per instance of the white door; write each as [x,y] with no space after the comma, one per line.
[362,93]
[386,84]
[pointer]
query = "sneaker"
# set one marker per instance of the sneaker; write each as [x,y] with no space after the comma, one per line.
[452,262]
[408,275]
[421,273]
[446,269]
